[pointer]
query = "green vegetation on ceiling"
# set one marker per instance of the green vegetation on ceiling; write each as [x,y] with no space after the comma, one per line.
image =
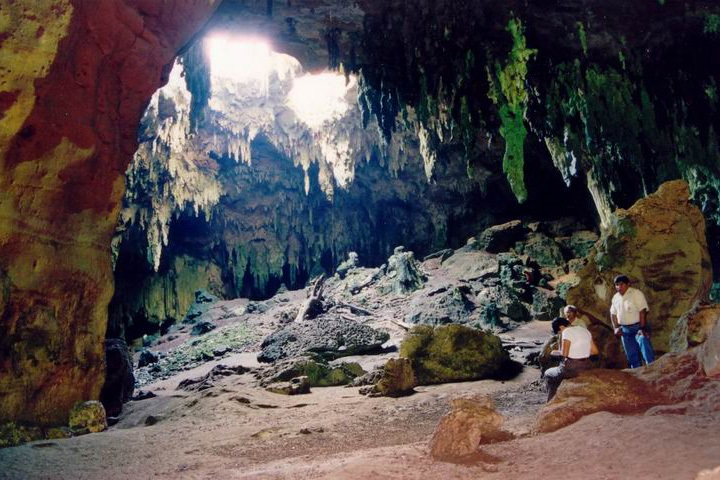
[508,90]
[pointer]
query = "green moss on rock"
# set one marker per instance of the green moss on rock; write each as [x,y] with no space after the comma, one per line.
[453,353]
[88,417]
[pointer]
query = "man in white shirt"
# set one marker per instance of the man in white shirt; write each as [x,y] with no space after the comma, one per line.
[576,346]
[628,312]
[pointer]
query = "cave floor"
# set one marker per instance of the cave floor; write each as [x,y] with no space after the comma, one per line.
[237,430]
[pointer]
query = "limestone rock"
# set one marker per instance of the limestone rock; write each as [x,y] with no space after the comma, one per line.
[119,378]
[594,391]
[694,327]
[546,304]
[328,335]
[295,386]
[499,238]
[349,264]
[316,370]
[660,244]
[471,265]
[453,353]
[543,249]
[403,273]
[449,304]
[710,352]
[88,417]
[61,184]
[209,380]
[471,423]
[397,380]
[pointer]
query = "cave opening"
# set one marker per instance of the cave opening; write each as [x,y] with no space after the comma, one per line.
[253,174]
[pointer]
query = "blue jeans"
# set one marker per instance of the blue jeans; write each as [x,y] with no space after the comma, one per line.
[636,344]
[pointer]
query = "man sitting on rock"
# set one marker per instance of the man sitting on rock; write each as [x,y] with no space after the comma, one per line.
[576,346]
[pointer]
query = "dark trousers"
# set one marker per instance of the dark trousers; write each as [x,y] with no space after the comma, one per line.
[568,368]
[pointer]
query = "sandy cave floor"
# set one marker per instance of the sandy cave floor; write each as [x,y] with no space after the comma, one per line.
[237,431]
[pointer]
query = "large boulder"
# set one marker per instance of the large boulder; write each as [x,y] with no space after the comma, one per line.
[453,353]
[660,244]
[593,391]
[328,335]
[397,379]
[471,423]
[499,238]
[448,304]
[317,371]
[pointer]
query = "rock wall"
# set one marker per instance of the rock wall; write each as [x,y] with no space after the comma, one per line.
[660,244]
[75,79]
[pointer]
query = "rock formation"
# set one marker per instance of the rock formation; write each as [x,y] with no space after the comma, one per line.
[76,77]
[660,244]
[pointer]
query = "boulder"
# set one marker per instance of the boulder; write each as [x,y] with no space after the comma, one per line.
[581,243]
[119,377]
[660,244]
[350,264]
[453,353]
[594,391]
[210,379]
[448,304]
[316,370]
[694,327]
[397,379]
[328,335]
[468,265]
[546,304]
[294,386]
[709,354]
[403,274]
[471,423]
[499,238]
[543,249]
[147,358]
[88,417]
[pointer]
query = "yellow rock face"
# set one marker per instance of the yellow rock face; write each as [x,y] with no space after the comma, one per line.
[660,244]
[74,77]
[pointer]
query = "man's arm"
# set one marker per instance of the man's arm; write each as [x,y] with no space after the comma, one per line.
[565,348]
[615,324]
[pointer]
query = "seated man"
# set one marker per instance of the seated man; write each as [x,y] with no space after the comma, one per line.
[576,346]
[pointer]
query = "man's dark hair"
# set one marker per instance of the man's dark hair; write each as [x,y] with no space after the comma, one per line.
[621,279]
[559,322]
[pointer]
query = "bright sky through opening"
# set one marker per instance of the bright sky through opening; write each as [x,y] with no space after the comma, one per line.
[315,99]
[320,98]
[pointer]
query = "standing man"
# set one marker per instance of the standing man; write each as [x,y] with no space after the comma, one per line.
[576,346]
[628,313]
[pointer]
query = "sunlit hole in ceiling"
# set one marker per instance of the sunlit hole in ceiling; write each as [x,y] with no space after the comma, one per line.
[315,99]
[240,59]
[320,98]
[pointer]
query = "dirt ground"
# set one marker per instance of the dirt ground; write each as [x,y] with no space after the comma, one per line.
[236,430]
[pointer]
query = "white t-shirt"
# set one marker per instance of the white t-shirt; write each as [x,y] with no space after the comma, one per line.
[580,340]
[627,307]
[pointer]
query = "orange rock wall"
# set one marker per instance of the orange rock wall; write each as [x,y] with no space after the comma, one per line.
[75,77]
